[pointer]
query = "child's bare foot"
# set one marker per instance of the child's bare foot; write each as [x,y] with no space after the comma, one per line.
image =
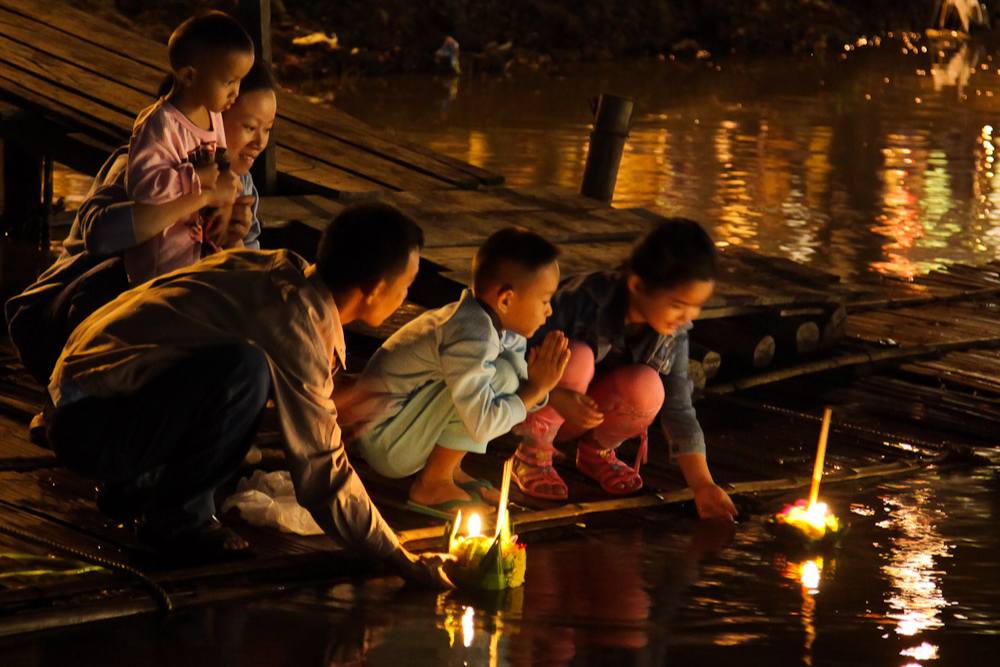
[468,482]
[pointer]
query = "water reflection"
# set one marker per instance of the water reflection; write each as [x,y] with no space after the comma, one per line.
[913,583]
[873,162]
[808,574]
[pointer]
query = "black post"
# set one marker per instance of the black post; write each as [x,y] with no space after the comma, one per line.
[612,118]
[255,15]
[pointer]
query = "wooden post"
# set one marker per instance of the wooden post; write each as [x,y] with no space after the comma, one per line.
[612,118]
[255,15]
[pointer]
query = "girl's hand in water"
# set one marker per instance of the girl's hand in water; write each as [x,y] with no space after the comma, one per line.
[576,408]
[714,503]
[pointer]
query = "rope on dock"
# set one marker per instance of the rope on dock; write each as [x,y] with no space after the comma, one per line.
[158,593]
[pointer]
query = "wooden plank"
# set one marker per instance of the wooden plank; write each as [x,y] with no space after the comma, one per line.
[330,126]
[339,170]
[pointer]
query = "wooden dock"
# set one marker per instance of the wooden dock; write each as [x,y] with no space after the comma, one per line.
[70,86]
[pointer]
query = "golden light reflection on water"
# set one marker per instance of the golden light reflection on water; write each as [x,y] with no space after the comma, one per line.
[477,639]
[850,175]
[913,570]
[809,575]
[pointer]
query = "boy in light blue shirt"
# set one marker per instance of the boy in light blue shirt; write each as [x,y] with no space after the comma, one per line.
[456,377]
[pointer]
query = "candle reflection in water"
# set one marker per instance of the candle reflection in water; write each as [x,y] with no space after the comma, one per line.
[809,575]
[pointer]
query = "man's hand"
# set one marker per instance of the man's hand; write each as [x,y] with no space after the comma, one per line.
[576,408]
[425,569]
[714,503]
[547,362]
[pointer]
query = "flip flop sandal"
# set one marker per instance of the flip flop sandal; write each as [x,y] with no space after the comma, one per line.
[447,509]
[473,485]
[531,477]
[603,466]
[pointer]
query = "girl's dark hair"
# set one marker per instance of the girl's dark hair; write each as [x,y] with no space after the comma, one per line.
[366,243]
[675,252]
[511,244]
[210,33]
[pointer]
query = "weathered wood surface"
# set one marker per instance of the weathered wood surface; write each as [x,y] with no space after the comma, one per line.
[57,505]
[590,235]
[87,79]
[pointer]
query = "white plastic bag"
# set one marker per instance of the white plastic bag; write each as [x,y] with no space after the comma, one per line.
[267,499]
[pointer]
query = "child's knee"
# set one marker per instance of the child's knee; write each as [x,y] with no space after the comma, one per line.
[580,369]
[646,387]
[638,385]
[505,379]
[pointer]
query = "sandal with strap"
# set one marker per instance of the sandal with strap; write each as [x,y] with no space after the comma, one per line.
[534,475]
[604,467]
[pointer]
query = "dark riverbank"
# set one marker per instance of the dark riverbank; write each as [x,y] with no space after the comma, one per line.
[502,36]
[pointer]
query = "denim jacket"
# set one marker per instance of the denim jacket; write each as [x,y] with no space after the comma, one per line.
[591,308]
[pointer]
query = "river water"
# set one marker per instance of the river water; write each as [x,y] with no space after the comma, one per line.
[916,582]
[874,161]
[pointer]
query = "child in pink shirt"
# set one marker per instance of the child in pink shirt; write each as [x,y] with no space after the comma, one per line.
[175,142]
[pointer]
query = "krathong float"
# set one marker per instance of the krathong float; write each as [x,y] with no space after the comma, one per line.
[810,523]
[487,562]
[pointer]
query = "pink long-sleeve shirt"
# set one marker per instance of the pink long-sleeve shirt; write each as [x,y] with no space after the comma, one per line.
[159,171]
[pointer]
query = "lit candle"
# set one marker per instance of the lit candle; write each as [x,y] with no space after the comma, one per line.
[810,520]
[490,562]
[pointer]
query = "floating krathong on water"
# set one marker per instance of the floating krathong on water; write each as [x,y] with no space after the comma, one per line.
[484,562]
[810,522]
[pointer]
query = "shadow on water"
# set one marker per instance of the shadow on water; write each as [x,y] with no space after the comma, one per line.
[878,160]
[916,581]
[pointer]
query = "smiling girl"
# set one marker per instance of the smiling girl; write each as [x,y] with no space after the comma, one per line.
[629,358]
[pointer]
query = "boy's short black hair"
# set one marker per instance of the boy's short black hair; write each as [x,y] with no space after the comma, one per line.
[211,32]
[366,243]
[513,245]
[675,252]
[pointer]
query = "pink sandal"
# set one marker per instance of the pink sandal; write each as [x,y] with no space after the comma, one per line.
[533,474]
[604,467]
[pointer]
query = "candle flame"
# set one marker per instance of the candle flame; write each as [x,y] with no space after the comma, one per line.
[475,527]
[813,520]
